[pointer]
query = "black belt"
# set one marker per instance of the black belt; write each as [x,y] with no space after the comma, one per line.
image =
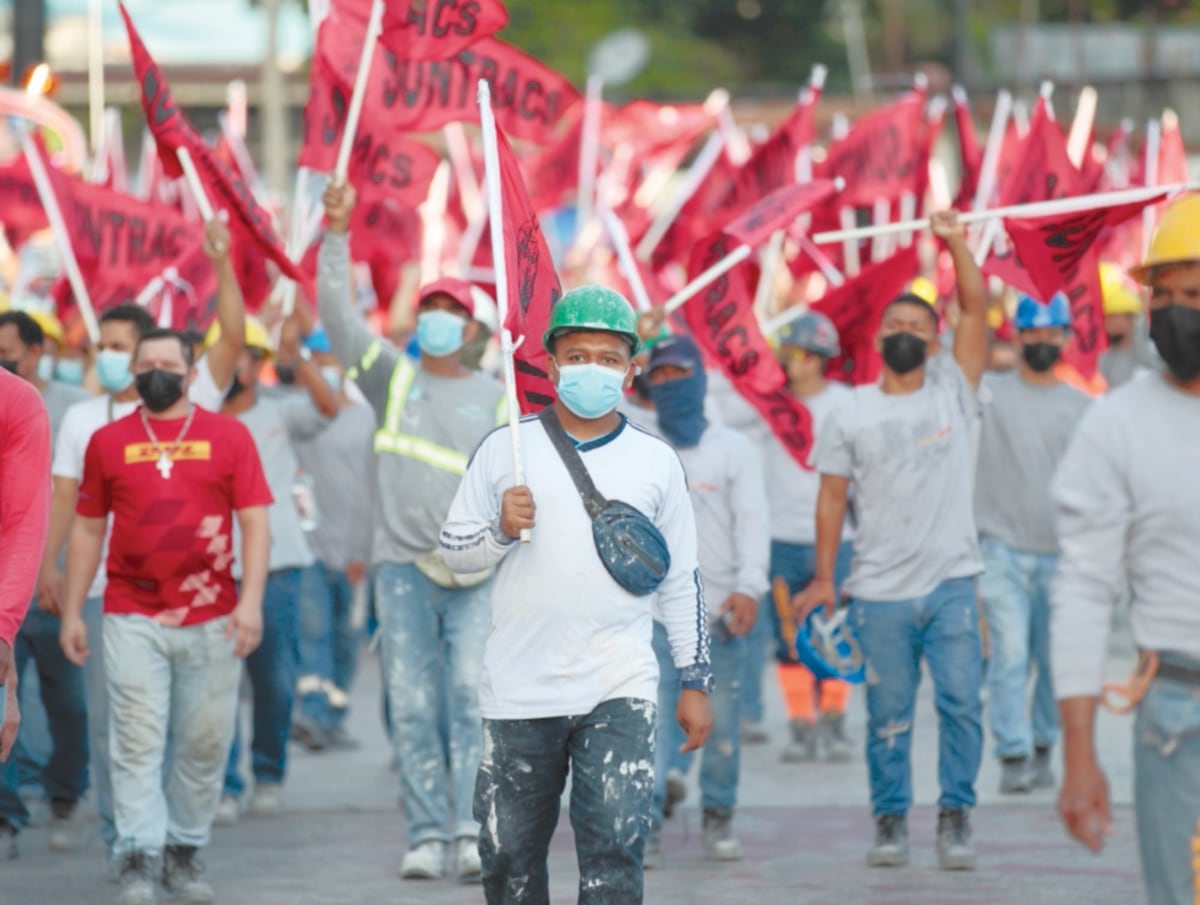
[1173,672]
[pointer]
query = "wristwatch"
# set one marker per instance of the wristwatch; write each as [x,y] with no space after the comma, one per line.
[704,683]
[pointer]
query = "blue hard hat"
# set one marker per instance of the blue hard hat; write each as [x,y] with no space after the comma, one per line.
[829,647]
[317,341]
[1032,314]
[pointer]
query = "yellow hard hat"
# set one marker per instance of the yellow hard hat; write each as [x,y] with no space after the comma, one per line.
[923,288]
[1119,297]
[51,325]
[1176,239]
[257,336]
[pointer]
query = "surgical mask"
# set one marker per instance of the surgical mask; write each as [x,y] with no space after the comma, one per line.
[69,370]
[160,389]
[590,391]
[440,333]
[45,368]
[1041,357]
[904,352]
[112,370]
[332,376]
[680,408]
[1175,331]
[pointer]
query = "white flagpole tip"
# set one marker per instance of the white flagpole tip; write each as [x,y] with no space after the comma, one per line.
[1170,119]
[1046,89]
[717,100]
[817,79]
[483,92]
[921,81]
[959,93]
[839,183]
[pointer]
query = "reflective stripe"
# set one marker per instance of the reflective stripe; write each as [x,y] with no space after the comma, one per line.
[431,454]
[368,359]
[401,383]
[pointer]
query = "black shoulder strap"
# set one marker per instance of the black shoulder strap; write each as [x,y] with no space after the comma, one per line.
[593,502]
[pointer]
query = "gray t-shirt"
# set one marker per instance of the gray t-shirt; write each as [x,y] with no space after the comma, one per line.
[341,463]
[1026,429]
[908,458]
[58,398]
[277,424]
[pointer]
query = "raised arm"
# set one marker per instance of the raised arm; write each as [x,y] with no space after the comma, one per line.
[970,334]
[308,375]
[231,311]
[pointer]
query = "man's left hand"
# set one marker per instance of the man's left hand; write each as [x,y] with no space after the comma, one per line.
[743,607]
[245,629]
[694,714]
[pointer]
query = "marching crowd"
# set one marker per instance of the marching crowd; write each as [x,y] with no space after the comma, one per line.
[611,611]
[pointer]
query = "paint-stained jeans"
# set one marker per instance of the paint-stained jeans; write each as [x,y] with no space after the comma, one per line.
[1016,597]
[942,627]
[521,778]
[722,754]
[160,677]
[329,645]
[1166,771]
[433,641]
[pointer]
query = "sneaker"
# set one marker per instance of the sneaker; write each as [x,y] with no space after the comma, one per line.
[61,830]
[267,800]
[803,746]
[676,792]
[1014,776]
[8,841]
[181,876]
[425,862]
[341,740]
[719,842]
[753,733]
[470,865]
[654,858]
[891,842]
[228,811]
[832,729]
[309,734]
[1042,772]
[954,841]
[137,879]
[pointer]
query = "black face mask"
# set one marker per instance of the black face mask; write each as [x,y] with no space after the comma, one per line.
[286,374]
[1115,339]
[160,389]
[235,389]
[9,364]
[1040,356]
[904,352]
[1176,334]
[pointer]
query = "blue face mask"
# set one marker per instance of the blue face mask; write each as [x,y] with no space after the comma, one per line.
[112,370]
[440,333]
[590,391]
[45,368]
[333,377]
[679,405]
[69,370]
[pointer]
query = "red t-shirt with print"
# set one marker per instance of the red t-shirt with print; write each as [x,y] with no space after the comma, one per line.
[171,547]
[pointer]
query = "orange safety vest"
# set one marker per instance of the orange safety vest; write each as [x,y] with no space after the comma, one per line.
[1068,374]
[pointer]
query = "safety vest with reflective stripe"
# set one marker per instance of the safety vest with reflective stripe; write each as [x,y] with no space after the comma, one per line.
[390,439]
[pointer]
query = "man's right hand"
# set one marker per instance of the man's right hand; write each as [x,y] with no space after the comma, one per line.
[516,511]
[820,592]
[12,707]
[339,205]
[72,637]
[52,588]
[1083,802]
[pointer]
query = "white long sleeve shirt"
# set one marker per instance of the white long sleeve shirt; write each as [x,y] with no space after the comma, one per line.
[1128,516]
[565,637]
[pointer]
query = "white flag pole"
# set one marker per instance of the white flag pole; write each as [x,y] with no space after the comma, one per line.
[990,164]
[194,183]
[459,151]
[1153,146]
[589,152]
[709,276]
[769,259]
[374,25]
[696,174]
[491,173]
[1081,125]
[625,260]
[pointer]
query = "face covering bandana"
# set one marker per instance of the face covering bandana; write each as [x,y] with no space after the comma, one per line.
[1175,331]
[112,370]
[904,352]
[440,333]
[590,391]
[69,370]
[9,364]
[160,389]
[45,368]
[679,405]
[1041,357]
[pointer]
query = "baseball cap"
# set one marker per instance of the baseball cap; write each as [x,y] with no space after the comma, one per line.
[677,350]
[459,290]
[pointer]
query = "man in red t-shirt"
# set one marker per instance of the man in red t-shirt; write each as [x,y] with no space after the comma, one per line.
[173,475]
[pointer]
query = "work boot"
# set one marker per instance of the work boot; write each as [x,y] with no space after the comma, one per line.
[61,830]
[803,746]
[654,858]
[1042,773]
[753,733]
[891,842]
[833,737]
[954,841]
[8,841]
[1014,776]
[719,842]
[181,876]
[676,792]
[137,879]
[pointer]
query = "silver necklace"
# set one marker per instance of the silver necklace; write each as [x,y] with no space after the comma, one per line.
[165,464]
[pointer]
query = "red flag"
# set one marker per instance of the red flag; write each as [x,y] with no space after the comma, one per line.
[884,155]
[723,322]
[554,172]
[438,29]
[1042,169]
[21,209]
[970,154]
[533,286]
[779,210]
[652,128]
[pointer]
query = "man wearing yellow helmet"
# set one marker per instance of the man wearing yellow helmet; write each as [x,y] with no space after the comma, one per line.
[1129,353]
[1128,508]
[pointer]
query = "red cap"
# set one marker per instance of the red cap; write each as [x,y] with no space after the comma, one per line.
[459,290]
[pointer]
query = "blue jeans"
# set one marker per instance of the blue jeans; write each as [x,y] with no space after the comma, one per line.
[722,753]
[1166,785]
[272,671]
[328,645]
[65,775]
[521,779]
[433,641]
[1016,598]
[943,627]
[99,762]
[797,564]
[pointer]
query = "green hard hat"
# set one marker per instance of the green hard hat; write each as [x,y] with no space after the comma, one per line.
[592,308]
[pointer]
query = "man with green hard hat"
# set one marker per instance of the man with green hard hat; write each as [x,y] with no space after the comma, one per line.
[570,679]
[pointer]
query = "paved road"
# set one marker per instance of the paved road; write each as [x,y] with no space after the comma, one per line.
[804,828]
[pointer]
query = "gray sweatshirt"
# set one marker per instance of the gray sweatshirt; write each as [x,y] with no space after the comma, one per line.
[1128,517]
[452,413]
